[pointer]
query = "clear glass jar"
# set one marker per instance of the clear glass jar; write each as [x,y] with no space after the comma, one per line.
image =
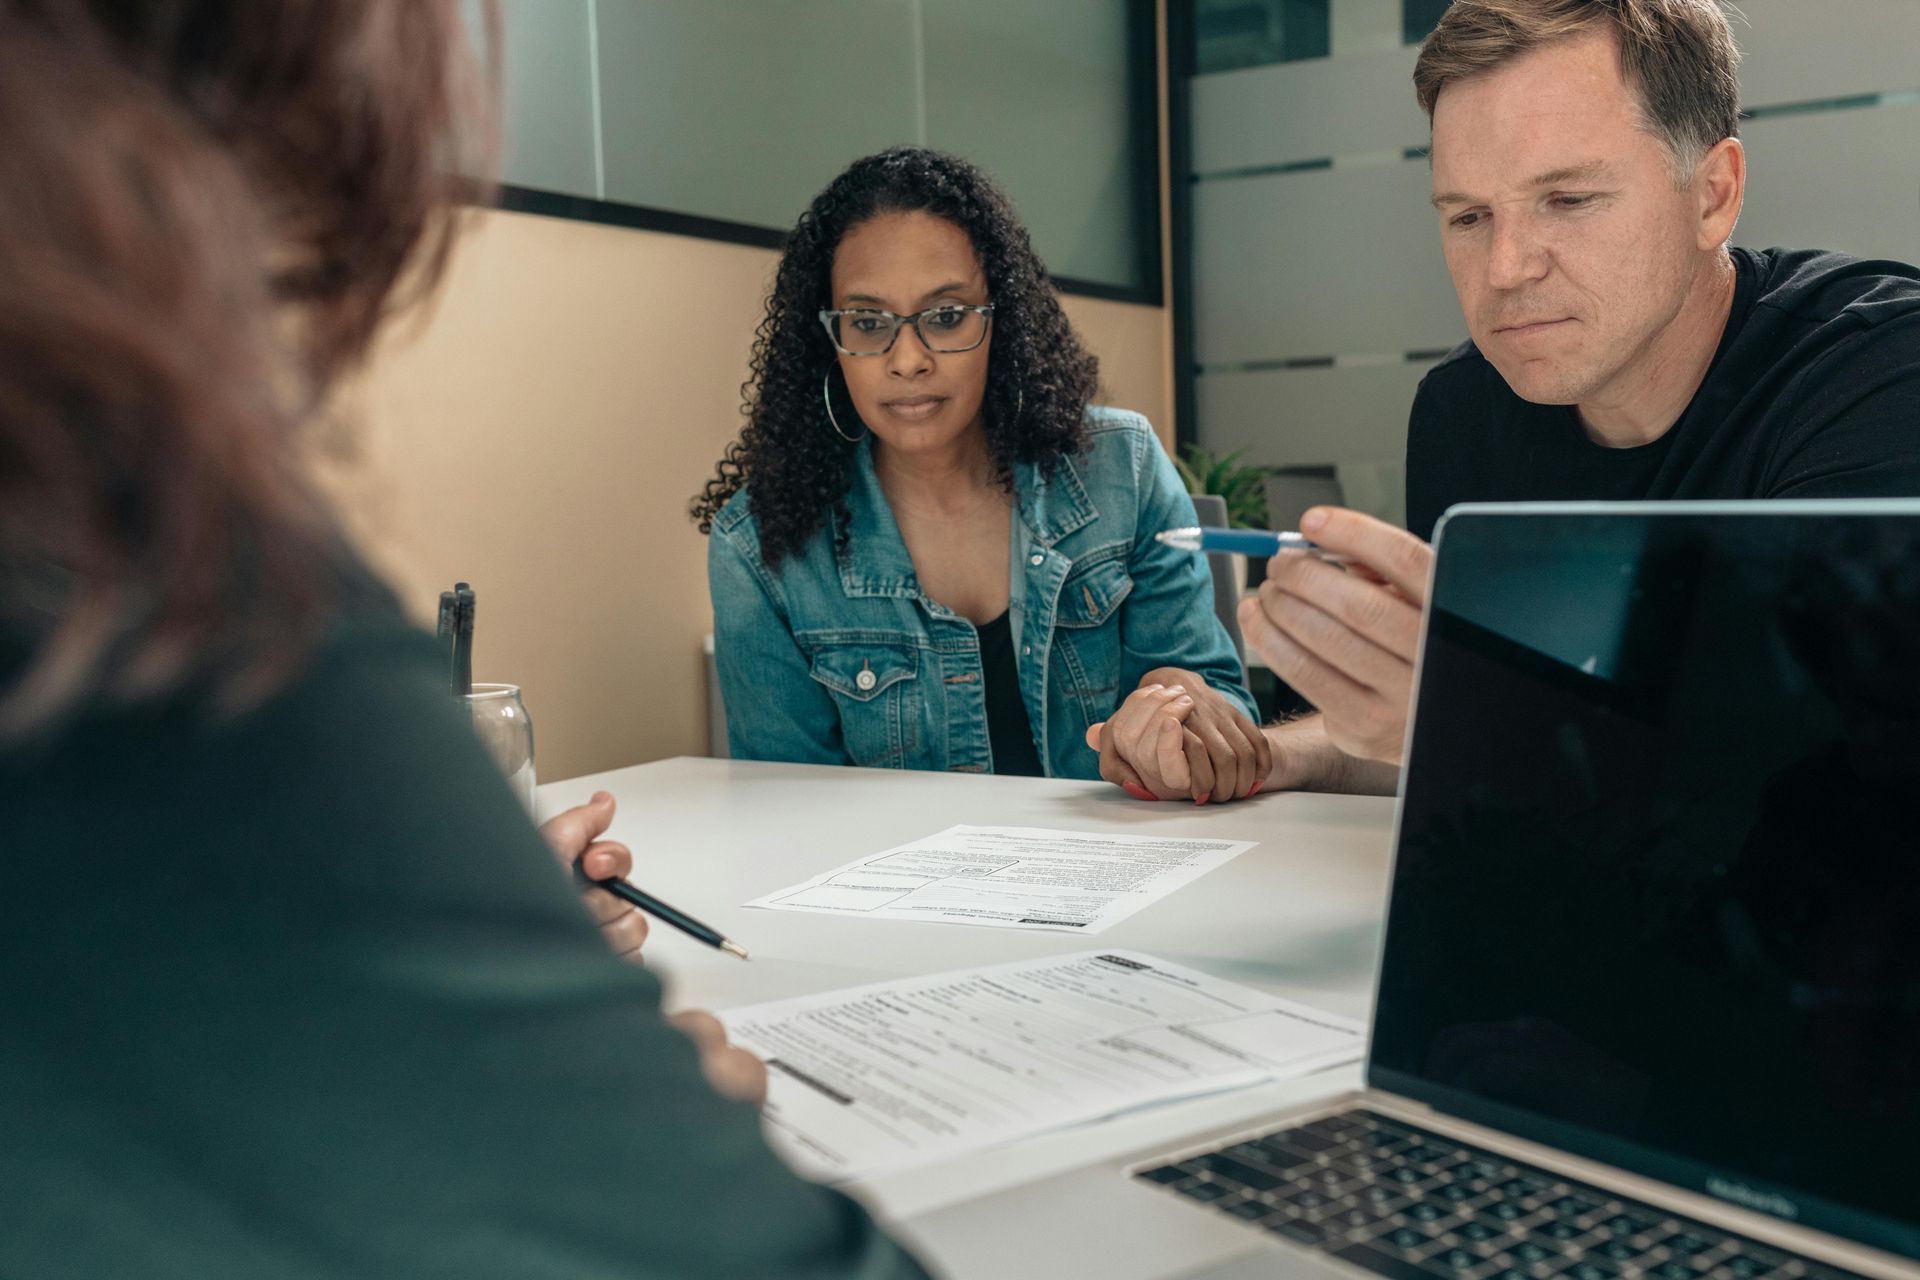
[501,722]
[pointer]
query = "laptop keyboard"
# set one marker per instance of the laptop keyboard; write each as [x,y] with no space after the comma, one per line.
[1411,1205]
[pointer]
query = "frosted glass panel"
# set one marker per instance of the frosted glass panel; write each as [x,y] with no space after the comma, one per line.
[744,109]
[1326,263]
[1797,50]
[1310,417]
[1846,180]
[1306,111]
[547,74]
[1038,95]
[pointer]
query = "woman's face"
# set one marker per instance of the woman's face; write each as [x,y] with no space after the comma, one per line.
[913,399]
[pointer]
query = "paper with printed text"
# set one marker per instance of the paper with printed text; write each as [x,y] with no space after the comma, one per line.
[884,1077]
[1011,878]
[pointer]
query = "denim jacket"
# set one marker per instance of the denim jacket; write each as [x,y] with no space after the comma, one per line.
[840,659]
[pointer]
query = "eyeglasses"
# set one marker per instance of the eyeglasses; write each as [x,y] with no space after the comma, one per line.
[948,328]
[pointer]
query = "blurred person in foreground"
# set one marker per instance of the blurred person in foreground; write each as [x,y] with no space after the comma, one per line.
[293,987]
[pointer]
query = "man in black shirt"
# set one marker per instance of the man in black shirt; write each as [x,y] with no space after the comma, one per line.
[1813,392]
[1587,177]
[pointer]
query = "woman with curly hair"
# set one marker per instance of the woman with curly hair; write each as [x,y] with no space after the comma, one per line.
[929,550]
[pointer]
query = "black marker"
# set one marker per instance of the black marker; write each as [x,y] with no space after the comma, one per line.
[462,640]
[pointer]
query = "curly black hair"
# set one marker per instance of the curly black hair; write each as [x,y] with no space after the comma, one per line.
[1039,378]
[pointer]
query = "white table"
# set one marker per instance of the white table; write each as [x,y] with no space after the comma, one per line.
[1299,915]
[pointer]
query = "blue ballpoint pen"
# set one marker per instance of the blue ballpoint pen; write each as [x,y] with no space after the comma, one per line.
[1246,542]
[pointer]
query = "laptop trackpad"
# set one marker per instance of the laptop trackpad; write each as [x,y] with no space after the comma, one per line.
[1264,1265]
[1096,1222]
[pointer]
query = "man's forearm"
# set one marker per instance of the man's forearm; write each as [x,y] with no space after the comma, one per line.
[1305,759]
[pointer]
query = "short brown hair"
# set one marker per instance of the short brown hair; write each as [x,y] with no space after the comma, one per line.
[1677,55]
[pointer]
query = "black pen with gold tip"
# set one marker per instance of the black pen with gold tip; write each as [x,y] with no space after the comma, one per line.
[661,911]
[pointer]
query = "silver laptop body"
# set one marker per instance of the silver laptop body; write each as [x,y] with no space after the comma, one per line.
[1792,626]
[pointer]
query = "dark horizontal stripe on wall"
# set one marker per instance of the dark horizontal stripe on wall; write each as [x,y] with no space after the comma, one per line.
[1110,292]
[1267,170]
[1267,366]
[1425,356]
[1813,106]
[637,217]
[1854,102]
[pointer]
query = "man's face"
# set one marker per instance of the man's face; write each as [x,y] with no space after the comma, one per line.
[1568,242]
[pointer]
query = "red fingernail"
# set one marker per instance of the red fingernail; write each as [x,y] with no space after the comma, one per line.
[1137,791]
[1202,797]
[1256,788]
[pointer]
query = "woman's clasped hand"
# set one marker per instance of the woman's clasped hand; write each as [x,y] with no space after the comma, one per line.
[1178,738]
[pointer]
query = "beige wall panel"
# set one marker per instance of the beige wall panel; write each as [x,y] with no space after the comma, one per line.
[1134,344]
[539,434]
[540,438]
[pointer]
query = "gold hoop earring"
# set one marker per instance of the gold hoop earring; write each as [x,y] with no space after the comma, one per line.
[826,398]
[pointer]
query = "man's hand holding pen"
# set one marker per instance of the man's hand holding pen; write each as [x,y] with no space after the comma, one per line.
[574,837]
[1346,638]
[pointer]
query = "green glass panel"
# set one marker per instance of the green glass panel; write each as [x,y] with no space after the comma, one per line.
[1043,97]
[547,91]
[744,109]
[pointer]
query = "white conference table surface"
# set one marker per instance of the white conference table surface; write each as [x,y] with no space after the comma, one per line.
[1298,915]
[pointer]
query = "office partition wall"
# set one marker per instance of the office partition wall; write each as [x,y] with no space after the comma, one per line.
[1318,293]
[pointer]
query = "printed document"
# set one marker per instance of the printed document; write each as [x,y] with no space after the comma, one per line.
[1011,877]
[900,1073]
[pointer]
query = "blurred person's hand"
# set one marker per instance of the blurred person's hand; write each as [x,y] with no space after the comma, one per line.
[575,836]
[732,1071]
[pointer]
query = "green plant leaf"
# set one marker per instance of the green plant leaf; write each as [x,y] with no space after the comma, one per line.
[1188,478]
[1223,475]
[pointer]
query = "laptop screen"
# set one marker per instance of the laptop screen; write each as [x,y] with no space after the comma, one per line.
[1657,897]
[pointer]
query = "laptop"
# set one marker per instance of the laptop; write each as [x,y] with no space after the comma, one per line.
[1649,993]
